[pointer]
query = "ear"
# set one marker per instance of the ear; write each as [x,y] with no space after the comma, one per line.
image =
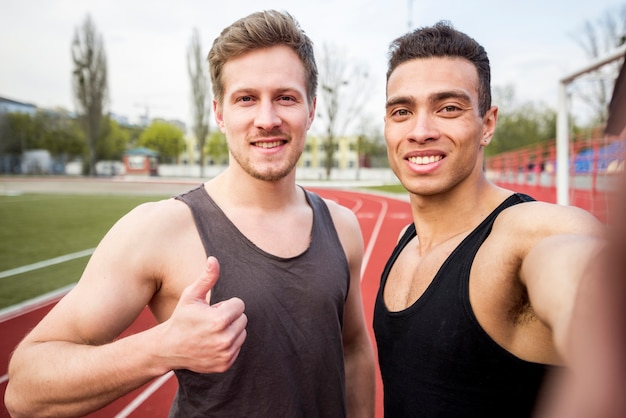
[489,125]
[312,113]
[219,116]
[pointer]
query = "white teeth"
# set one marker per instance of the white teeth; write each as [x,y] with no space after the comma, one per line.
[425,160]
[268,144]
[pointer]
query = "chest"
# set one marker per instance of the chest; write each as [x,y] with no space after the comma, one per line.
[412,273]
[281,236]
[491,271]
[260,262]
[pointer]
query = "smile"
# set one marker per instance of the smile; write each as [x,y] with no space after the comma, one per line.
[271,144]
[425,160]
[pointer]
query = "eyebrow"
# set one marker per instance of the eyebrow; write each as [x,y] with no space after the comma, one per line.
[452,94]
[433,98]
[400,100]
[280,91]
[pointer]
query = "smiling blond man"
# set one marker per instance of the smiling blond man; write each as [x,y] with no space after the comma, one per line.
[254,281]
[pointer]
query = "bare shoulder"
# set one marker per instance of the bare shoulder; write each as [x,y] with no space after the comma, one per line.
[157,214]
[536,220]
[519,228]
[143,230]
[348,229]
[143,247]
[156,233]
[342,216]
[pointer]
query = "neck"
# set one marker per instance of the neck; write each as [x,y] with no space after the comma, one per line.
[439,218]
[246,191]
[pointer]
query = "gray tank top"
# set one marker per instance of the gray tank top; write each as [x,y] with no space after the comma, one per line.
[291,364]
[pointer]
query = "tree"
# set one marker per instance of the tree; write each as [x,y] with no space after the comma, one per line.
[133,133]
[17,133]
[60,135]
[520,125]
[90,84]
[343,92]
[596,39]
[113,142]
[201,98]
[217,147]
[55,132]
[168,140]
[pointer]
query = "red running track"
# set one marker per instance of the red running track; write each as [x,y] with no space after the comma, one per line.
[381,219]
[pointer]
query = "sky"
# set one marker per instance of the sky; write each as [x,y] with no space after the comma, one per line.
[531,44]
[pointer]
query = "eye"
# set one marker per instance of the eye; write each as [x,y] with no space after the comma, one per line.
[399,114]
[243,99]
[450,111]
[286,99]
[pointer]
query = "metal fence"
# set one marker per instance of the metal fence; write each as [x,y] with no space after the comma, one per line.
[593,167]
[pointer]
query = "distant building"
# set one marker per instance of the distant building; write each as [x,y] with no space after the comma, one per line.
[38,161]
[141,162]
[345,155]
[13,106]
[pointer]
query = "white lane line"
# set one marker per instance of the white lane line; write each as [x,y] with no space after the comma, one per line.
[33,304]
[357,206]
[46,263]
[136,403]
[374,237]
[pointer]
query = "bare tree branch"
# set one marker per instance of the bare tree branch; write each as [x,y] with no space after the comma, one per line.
[90,84]
[596,39]
[200,94]
[344,88]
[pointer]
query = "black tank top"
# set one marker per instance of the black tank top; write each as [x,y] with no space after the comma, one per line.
[291,364]
[435,358]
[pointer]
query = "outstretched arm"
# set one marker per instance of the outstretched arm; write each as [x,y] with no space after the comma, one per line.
[596,337]
[554,271]
[595,341]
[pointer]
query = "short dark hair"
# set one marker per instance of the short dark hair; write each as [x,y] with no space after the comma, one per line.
[261,30]
[442,40]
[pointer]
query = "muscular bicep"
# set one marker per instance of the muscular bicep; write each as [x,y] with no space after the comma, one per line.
[552,271]
[87,317]
[114,288]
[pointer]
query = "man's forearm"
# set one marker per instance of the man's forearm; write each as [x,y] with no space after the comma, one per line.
[67,379]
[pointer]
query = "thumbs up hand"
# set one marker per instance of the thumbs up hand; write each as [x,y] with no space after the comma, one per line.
[201,337]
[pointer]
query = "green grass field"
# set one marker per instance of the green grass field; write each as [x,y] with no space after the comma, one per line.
[38,227]
[392,188]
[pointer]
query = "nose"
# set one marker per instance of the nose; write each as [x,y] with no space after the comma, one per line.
[424,128]
[267,117]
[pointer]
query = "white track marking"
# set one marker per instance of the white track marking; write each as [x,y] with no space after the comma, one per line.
[46,263]
[33,304]
[374,237]
[143,396]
